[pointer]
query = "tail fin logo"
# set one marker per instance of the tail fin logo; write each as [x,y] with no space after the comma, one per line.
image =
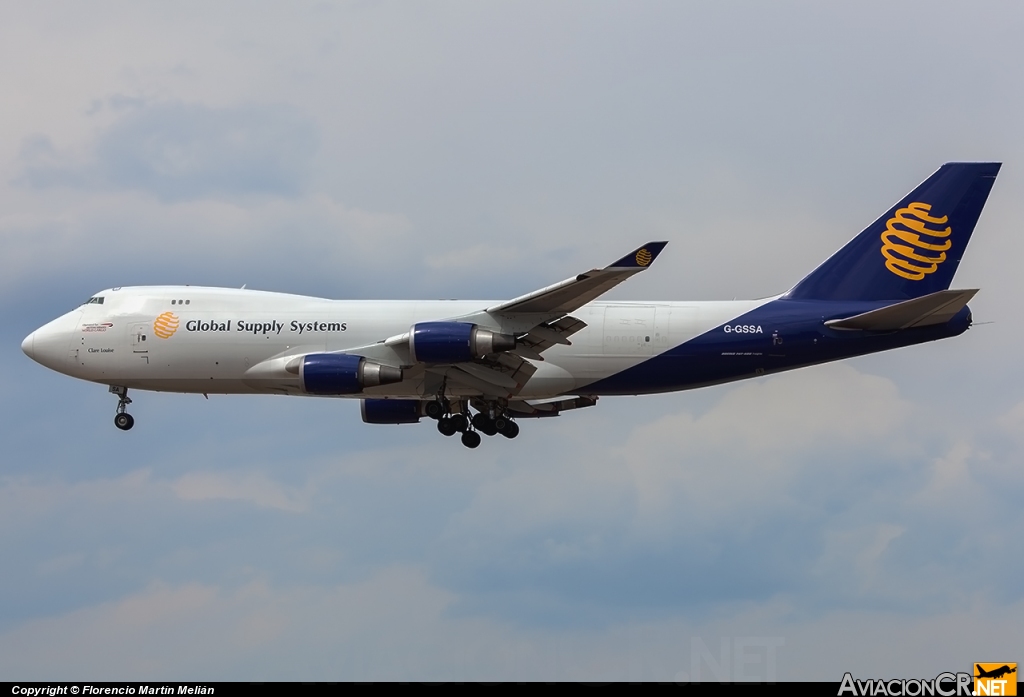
[165,325]
[911,248]
[643,257]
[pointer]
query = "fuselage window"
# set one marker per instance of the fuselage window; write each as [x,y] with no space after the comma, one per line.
[173,302]
[187,302]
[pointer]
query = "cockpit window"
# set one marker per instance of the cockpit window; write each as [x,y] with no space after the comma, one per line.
[98,300]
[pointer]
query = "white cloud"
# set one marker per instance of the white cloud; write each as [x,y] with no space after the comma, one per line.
[761,435]
[108,231]
[178,151]
[241,486]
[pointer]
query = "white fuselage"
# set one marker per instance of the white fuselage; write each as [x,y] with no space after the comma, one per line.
[218,340]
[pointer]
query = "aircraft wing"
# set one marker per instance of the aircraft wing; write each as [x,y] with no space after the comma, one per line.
[541,319]
[573,293]
[538,320]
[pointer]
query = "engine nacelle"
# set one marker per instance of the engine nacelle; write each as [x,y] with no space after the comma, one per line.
[341,373]
[391,411]
[455,342]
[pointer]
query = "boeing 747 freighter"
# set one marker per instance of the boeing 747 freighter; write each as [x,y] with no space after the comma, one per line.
[477,366]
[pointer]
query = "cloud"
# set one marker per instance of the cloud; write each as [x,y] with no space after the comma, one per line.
[274,243]
[252,487]
[177,151]
[397,625]
[824,483]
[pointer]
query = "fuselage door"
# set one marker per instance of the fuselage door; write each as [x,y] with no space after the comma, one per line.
[139,336]
[629,330]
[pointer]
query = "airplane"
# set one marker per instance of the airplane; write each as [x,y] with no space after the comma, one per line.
[995,673]
[483,366]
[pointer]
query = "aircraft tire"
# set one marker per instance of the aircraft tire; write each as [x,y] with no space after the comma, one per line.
[124,421]
[460,422]
[471,439]
[483,423]
[445,427]
[434,410]
[511,429]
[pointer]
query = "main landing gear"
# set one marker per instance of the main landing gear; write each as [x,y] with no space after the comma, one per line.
[123,420]
[490,423]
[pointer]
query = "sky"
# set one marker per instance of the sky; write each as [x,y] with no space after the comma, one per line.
[862,516]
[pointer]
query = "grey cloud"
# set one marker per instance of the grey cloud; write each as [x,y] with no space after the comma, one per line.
[823,484]
[177,151]
[831,499]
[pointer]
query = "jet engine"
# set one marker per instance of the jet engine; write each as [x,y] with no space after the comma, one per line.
[341,373]
[455,342]
[391,411]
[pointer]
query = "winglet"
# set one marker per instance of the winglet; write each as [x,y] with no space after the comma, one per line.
[639,258]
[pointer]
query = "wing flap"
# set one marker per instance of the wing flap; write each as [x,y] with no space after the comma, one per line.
[935,308]
[502,375]
[544,336]
[490,375]
[525,410]
[484,387]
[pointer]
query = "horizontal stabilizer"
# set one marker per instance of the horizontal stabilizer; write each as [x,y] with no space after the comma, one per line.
[936,308]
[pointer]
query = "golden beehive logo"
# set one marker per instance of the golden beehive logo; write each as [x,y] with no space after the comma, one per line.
[165,325]
[995,679]
[643,257]
[911,248]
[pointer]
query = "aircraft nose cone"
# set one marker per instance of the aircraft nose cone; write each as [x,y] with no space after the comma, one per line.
[49,345]
[28,345]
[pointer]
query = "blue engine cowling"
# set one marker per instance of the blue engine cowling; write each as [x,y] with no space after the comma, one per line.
[391,411]
[455,342]
[341,373]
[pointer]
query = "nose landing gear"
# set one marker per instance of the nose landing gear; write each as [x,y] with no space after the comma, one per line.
[123,420]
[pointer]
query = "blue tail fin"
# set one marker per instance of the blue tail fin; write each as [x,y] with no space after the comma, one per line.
[912,250]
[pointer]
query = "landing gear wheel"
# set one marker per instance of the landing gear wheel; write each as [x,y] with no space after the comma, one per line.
[434,410]
[460,422]
[123,420]
[511,429]
[445,427]
[484,424]
[471,439]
